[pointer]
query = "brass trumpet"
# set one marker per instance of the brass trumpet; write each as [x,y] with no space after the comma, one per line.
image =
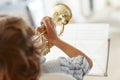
[61,15]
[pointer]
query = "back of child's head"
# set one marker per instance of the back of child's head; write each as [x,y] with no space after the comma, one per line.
[18,58]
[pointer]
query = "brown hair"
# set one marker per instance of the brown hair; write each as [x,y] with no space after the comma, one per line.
[18,58]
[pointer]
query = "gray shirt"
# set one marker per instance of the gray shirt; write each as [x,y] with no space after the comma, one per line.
[76,66]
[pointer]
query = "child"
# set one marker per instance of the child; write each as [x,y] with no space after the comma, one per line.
[19,57]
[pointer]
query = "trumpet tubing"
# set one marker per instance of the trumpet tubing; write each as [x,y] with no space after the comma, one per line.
[61,15]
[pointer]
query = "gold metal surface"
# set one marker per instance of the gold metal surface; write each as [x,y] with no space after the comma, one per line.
[61,15]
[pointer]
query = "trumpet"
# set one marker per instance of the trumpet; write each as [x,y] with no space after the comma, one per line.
[61,15]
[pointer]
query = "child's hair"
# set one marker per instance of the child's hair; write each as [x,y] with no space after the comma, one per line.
[18,56]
